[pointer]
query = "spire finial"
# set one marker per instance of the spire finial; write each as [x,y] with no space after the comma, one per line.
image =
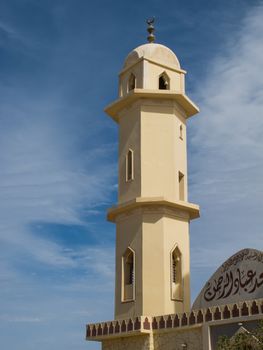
[150,29]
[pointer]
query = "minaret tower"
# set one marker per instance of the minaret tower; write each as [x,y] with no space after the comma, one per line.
[152,215]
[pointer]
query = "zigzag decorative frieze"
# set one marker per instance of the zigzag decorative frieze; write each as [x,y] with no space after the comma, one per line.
[144,324]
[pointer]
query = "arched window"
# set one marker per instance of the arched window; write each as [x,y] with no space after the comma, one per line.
[164,82]
[128,266]
[129,165]
[176,275]
[131,82]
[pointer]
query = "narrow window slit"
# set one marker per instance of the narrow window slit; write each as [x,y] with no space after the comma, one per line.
[129,166]
[132,82]
[181,186]
[181,132]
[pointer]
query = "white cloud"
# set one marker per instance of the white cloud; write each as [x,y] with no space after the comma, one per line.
[44,314]
[45,176]
[226,162]
[52,171]
[8,29]
[20,319]
[14,37]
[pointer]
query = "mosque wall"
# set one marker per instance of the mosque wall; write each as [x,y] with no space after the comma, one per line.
[175,340]
[142,342]
[172,340]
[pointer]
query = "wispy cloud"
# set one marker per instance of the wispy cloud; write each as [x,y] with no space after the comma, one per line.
[7,28]
[56,157]
[56,169]
[12,37]
[20,319]
[226,162]
[44,177]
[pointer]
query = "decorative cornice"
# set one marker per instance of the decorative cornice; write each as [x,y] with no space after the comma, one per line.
[117,106]
[180,208]
[196,318]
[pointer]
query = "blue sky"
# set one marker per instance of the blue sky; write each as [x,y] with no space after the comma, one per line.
[58,151]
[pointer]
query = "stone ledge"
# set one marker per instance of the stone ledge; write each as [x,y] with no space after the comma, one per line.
[145,324]
[191,209]
[117,106]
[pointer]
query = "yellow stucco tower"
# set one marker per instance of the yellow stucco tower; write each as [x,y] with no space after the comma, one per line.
[153,213]
[152,216]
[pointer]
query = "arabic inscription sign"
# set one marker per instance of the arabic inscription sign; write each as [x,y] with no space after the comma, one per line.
[239,278]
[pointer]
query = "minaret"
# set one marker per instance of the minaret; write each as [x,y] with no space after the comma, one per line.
[152,215]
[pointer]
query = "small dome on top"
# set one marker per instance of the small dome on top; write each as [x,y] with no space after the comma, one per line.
[155,52]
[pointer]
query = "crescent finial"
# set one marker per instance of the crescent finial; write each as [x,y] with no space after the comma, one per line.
[150,29]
